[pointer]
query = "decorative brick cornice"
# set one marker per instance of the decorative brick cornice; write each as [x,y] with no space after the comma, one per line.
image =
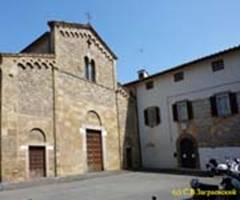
[33,55]
[89,27]
[31,61]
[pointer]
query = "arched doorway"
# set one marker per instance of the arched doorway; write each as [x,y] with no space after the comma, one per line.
[94,150]
[94,142]
[187,152]
[37,154]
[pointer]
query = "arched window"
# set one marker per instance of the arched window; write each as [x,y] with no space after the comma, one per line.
[90,70]
[86,61]
[93,71]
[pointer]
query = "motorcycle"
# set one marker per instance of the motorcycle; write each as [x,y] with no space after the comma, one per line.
[212,166]
[229,187]
[234,165]
[216,168]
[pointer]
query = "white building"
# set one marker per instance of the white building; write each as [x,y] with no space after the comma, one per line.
[189,114]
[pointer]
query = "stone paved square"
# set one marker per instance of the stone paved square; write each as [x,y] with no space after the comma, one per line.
[124,186]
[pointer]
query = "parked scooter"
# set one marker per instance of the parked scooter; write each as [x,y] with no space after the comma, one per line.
[212,166]
[216,168]
[229,187]
[234,165]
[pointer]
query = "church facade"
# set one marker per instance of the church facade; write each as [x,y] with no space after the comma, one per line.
[62,110]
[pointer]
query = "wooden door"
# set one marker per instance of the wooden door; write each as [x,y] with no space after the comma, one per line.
[94,151]
[37,163]
[188,153]
[129,157]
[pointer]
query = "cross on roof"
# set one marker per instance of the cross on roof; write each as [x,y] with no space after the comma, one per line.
[89,17]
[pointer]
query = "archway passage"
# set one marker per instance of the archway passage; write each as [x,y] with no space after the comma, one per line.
[94,151]
[188,153]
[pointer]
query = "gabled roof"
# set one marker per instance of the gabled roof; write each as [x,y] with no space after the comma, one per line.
[184,65]
[39,39]
[83,26]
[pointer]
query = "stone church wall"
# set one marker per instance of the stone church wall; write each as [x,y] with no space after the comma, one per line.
[76,97]
[26,106]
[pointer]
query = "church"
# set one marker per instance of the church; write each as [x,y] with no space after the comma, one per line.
[62,110]
[64,113]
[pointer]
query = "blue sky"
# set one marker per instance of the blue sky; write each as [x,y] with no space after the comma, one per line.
[150,34]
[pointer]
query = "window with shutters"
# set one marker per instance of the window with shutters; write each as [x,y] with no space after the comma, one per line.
[182,111]
[152,116]
[224,104]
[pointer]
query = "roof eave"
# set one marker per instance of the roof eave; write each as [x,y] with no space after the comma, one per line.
[187,64]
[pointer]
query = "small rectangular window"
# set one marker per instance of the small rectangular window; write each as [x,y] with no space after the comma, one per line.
[217,65]
[149,85]
[179,76]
